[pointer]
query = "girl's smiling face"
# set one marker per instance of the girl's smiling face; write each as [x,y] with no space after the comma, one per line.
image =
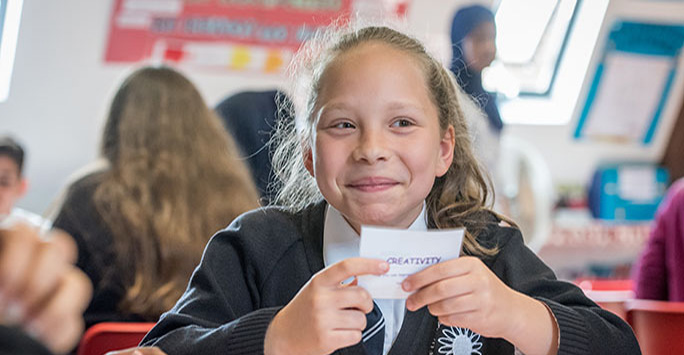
[377,143]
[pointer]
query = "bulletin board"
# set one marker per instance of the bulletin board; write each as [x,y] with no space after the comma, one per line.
[632,82]
[258,35]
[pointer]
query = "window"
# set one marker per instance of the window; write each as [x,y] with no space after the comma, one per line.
[543,51]
[529,50]
[10,14]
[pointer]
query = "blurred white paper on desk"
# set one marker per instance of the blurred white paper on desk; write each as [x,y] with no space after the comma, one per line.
[407,252]
[638,183]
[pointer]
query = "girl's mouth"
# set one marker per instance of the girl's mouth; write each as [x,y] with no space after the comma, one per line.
[372,184]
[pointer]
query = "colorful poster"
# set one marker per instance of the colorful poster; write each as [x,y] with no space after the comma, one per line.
[259,35]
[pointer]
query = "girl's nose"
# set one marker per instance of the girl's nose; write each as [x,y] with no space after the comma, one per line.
[371,148]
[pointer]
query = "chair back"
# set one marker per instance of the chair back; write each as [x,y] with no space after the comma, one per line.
[658,325]
[610,294]
[109,336]
[604,284]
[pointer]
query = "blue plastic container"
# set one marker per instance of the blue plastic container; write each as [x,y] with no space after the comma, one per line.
[627,191]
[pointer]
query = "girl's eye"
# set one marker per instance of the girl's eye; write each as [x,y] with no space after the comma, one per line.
[343,125]
[402,123]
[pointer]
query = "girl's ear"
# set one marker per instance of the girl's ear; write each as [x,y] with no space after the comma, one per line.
[308,161]
[446,151]
[22,188]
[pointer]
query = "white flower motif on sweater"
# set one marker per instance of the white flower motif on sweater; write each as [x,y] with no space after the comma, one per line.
[459,341]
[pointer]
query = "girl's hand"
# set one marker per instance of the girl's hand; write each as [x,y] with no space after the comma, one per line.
[464,292]
[138,351]
[325,315]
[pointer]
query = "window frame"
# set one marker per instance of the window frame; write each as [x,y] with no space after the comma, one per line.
[559,57]
[10,19]
[558,106]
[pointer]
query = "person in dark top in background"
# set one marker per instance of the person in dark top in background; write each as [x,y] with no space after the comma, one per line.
[172,178]
[473,36]
[251,117]
[659,272]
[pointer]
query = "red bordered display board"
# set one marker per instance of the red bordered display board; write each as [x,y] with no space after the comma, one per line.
[256,35]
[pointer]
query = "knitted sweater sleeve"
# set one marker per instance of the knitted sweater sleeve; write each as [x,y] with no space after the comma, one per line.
[218,313]
[584,327]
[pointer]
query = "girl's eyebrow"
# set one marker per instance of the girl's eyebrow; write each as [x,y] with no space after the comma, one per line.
[335,106]
[399,105]
[393,105]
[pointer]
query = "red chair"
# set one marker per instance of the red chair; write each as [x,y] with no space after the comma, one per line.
[610,294]
[658,325]
[605,284]
[109,336]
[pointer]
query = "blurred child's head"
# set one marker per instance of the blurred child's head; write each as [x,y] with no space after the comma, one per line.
[376,79]
[156,111]
[12,183]
[473,36]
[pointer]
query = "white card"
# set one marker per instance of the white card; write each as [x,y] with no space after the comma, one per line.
[407,252]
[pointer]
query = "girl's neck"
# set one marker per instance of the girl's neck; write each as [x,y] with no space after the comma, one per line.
[418,222]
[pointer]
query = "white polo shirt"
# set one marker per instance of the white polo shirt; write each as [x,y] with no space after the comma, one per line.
[340,242]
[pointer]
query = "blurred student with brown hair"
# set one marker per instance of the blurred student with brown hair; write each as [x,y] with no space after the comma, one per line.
[172,179]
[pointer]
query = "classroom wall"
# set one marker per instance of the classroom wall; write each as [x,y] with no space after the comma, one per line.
[61,89]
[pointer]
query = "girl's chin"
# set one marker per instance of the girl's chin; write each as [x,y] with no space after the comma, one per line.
[378,219]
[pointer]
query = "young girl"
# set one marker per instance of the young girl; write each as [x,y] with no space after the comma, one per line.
[381,140]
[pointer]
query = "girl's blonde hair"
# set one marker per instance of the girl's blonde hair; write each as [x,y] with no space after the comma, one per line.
[174,179]
[457,199]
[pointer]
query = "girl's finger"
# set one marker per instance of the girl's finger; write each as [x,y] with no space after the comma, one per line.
[443,289]
[461,320]
[70,297]
[441,271]
[343,338]
[63,336]
[65,244]
[17,248]
[354,297]
[340,271]
[43,278]
[349,319]
[455,305]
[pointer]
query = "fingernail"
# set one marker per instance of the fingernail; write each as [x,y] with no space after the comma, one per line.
[409,305]
[384,266]
[406,285]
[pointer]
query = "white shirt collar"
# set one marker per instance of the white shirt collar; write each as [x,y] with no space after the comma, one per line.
[340,241]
